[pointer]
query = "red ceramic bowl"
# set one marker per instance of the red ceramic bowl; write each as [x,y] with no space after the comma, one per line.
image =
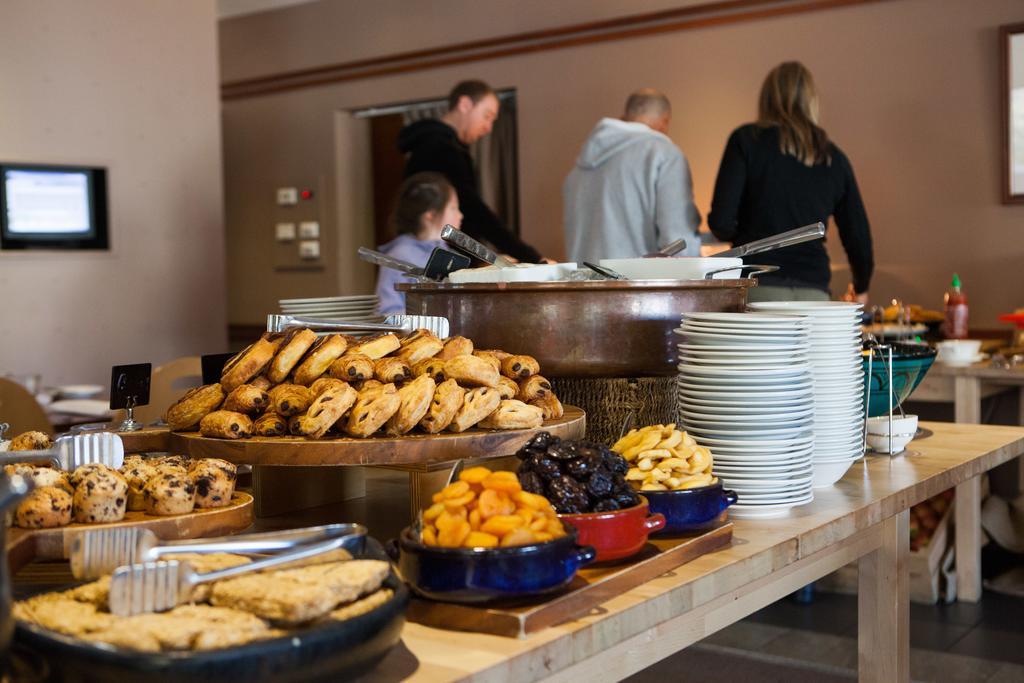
[616,534]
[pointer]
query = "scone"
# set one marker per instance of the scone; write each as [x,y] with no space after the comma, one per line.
[391,369]
[519,367]
[352,367]
[434,367]
[224,424]
[532,388]
[45,507]
[416,397]
[448,398]
[456,346]
[293,348]
[326,410]
[270,424]
[83,471]
[377,347]
[290,399]
[373,408]
[479,403]
[214,481]
[512,414]
[507,387]
[194,406]
[246,399]
[101,496]
[420,345]
[137,475]
[471,371]
[549,405]
[318,359]
[30,441]
[250,361]
[169,494]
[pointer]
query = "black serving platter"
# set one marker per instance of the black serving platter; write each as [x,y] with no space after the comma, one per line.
[330,651]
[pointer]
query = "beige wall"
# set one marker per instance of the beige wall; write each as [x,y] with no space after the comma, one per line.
[909,91]
[131,86]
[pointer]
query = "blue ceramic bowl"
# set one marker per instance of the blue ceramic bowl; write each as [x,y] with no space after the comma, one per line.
[910,363]
[475,575]
[690,510]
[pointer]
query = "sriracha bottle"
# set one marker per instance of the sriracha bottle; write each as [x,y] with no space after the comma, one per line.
[955,326]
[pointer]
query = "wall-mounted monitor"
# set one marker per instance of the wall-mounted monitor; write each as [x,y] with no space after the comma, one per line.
[53,207]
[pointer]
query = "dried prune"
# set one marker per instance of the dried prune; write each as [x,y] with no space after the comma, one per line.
[600,484]
[615,462]
[539,443]
[606,505]
[562,451]
[626,499]
[545,467]
[531,482]
[580,468]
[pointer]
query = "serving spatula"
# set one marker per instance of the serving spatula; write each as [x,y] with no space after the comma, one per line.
[161,585]
[74,450]
[100,551]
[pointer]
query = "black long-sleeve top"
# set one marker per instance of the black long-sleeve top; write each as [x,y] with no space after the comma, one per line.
[432,145]
[760,192]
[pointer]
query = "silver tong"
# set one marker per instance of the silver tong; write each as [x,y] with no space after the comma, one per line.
[74,450]
[379,259]
[162,585]
[438,325]
[468,245]
[100,551]
[814,231]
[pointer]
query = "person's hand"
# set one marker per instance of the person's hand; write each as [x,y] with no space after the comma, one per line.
[549,261]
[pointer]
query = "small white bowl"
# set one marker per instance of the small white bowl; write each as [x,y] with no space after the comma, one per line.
[958,349]
[906,424]
[828,473]
[880,442]
[79,391]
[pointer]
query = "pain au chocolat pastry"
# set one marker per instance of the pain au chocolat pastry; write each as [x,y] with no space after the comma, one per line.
[247,399]
[448,398]
[261,382]
[507,387]
[549,405]
[532,388]
[352,367]
[225,424]
[471,371]
[293,348]
[321,354]
[367,384]
[520,367]
[377,347]
[290,399]
[416,397]
[479,403]
[456,346]
[373,408]
[194,406]
[250,361]
[270,424]
[326,410]
[323,384]
[391,369]
[512,414]
[30,441]
[420,345]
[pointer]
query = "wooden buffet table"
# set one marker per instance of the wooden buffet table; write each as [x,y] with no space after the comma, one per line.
[865,516]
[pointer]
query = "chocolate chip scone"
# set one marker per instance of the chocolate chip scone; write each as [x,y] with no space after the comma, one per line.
[169,494]
[137,476]
[84,471]
[30,441]
[100,497]
[47,476]
[214,481]
[194,406]
[46,507]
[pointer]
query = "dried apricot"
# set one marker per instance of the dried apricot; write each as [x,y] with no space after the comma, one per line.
[526,514]
[432,512]
[519,537]
[460,502]
[429,536]
[474,475]
[453,536]
[531,500]
[543,536]
[474,520]
[539,524]
[554,527]
[495,503]
[499,525]
[448,518]
[456,489]
[502,481]
[479,539]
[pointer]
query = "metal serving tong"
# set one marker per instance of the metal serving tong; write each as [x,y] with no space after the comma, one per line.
[158,586]
[74,450]
[100,551]
[468,245]
[393,323]
[814,231]
[605,272]
[380,259]
[670,249]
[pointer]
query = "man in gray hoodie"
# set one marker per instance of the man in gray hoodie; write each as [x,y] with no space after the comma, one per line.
[630,192]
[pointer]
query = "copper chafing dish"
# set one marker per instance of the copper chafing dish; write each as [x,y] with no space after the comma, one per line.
[605,328]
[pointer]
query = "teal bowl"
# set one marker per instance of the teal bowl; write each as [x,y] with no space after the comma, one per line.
[910,363]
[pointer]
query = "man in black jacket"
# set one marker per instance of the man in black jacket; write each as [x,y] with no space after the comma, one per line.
[441,145]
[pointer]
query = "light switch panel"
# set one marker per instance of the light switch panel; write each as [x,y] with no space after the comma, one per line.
[309,250]
[284,232]
[287,196]
[309,230]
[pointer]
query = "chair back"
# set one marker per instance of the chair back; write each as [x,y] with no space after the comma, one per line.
[21,410]
[169,382]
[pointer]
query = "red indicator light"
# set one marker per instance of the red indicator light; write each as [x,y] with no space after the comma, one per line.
[307,194]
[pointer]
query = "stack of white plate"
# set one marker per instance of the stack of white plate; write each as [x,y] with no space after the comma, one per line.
[745,391]
[362,308]
[835,357]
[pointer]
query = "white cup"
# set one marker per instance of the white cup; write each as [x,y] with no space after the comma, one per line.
[958,350]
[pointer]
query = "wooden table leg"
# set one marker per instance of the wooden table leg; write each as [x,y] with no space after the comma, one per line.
[883,606]
[967,400]
[968,540]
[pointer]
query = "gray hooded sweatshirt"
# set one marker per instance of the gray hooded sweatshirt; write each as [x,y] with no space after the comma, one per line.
[630,194]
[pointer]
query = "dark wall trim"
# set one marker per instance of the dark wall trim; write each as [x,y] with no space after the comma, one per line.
[632,26]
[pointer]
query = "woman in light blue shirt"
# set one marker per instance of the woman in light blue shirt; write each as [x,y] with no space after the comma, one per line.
[426,203]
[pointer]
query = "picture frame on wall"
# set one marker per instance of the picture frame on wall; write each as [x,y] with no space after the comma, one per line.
[1011,41]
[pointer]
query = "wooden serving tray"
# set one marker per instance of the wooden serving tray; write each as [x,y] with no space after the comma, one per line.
[26,545]
[591,586]
[382,450]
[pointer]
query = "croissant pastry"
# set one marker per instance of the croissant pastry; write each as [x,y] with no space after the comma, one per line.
[519,367]
[270,424]
[532,388]
[456,346]
[250,361]
[373,408]
[512,414]
[377,347]
[326,410]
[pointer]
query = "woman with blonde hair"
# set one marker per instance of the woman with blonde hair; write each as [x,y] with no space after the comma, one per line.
[783,172]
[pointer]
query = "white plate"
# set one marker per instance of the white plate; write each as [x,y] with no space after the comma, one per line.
[783,397]
[759,370]
[756,411]
[753,318]
[960,363]
[81,391]
[766,511]
[716,352]
[793,438]
[731,422]
[82,406]
[728,339]
[755,470]
[330,299]
[730,404]
[722,349]
[798,331]
[762,455]
[811,308]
